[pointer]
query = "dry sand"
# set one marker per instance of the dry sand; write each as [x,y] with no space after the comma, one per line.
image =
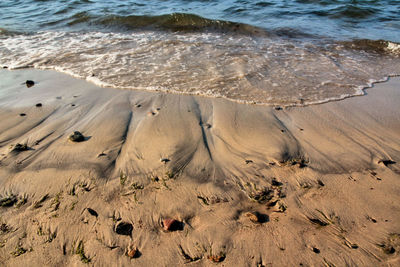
[321,180]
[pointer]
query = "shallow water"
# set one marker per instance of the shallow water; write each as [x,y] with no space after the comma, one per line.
[267,52]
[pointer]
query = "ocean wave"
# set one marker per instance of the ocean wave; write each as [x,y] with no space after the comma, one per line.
[263,69]
[173,22]
[373,46]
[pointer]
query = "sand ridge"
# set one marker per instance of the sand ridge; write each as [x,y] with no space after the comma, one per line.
[322,180]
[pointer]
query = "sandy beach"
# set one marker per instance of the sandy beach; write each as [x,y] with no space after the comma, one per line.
[167,180]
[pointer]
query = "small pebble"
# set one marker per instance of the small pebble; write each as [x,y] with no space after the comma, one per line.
[38,105]
[133,253]
[76,137]
[124,228]
[92,212]
[22,114]
[29,83]
[216,258]
[171,224]
[316,250]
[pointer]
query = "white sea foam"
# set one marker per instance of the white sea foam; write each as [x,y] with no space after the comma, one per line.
[241,68]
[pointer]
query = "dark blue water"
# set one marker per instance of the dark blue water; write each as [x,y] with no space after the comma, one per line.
[339,19]
[288,52]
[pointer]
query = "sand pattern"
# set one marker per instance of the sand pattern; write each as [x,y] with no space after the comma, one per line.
[112,178]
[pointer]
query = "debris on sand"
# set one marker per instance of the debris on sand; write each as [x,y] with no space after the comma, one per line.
[256,217]
[387,162]
[171,225]
[19,147]
[124,228]
[92,212]
[217,258]
[29,83]
[76,137]
[133,253]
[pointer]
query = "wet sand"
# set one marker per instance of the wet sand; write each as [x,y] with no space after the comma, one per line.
[244,185]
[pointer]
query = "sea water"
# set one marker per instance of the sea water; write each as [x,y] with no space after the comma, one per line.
[287,52]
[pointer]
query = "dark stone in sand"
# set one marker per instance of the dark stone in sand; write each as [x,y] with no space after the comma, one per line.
[29,83]
[138,105]
[278,108]
[92,212]
[316,250]
[320,183]
[124,228]
[22,114]
[248,161]
[38,105]
[133,253]
[72,105]
[76,137]
[5,67]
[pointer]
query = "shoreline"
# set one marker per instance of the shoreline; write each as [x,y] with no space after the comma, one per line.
[360,90]
[324,177]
